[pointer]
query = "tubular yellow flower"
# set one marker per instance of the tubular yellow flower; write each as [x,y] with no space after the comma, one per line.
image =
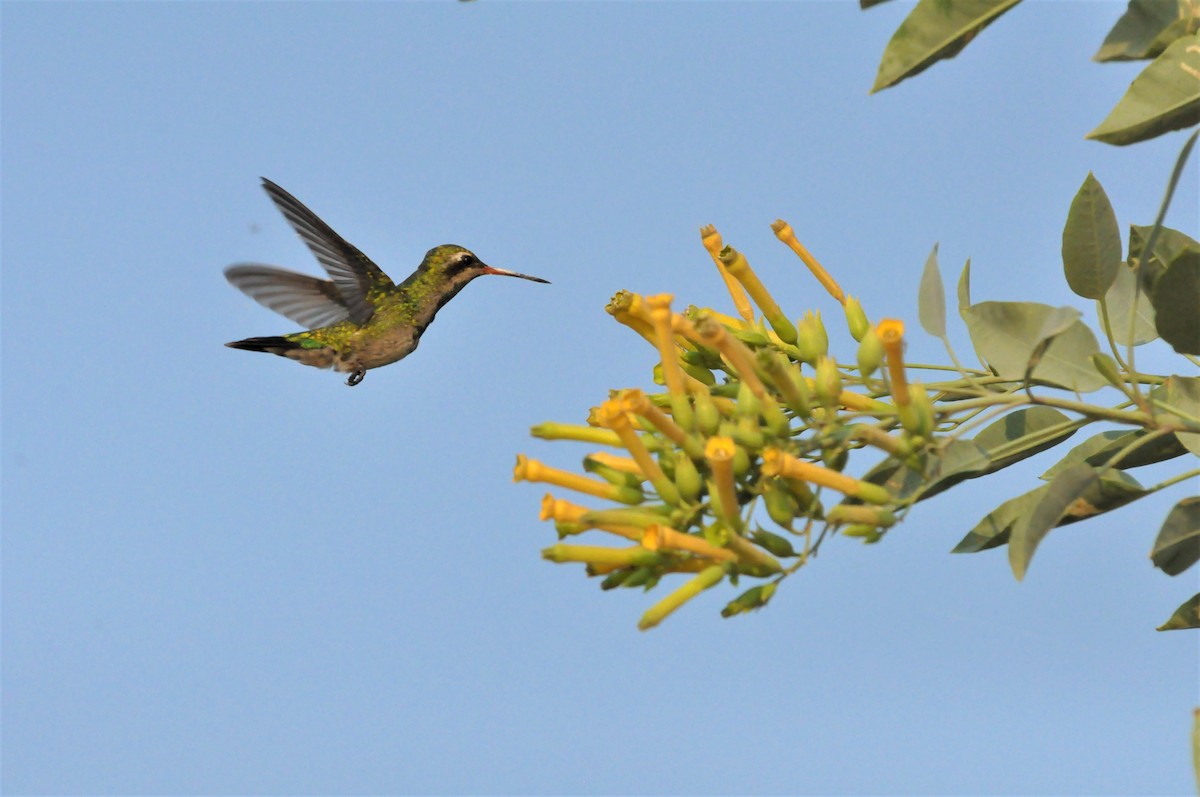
[737,265]
[785,233]
[533,471]
[613,414]
[664,337]
[635,555]
[709,577]
[638,518]
[639,404]
[559,510]
[779,463]
[551,430]
[891,334]
[620,308]
[710,333]
[659,536]
[712,242]
[718,452]
[727,320]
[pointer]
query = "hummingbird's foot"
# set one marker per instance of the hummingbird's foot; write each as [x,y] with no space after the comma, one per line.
[356,377]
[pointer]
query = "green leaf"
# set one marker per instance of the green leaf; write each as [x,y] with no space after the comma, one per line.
[1031,529]
[993,531]
[931,300]
[1022,434]
[865,4]
[1137,33]
[1186,616]
[1114,489]
[1181,393]
[1167,246]
[1091,241]
[1164,97]
[1017,436]
[964,289]
[1008,334]
[1099,449]
[1123,300]
[935,29]
[1178,545]
[1175,297]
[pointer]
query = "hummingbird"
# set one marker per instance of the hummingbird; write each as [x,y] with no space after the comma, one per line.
[358,319]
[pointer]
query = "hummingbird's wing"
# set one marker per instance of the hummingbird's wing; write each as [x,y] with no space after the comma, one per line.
[353,272]
[308,301]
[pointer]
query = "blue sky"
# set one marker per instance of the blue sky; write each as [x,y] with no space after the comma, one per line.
[225,573]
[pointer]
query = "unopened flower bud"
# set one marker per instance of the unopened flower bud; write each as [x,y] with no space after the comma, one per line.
[870,353]
[828,382]
[856,318]
[687,478]
[813,340]
[751,599]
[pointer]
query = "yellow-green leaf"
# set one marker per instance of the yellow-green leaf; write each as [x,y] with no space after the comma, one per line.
[1176,297]
[935,29]
[1186,616]
[1091,241]
[1007,335]
[1178,544]
[1140,32]
[931,299]
[1164,97]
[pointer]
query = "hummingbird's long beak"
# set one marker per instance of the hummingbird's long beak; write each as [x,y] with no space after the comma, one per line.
[503,272]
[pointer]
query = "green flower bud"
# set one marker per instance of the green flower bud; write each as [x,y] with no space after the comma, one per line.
[856,319]
[750,600]
[917,416]
[835,458]
[751,337]
[813,341]
[862,515]
[741,462]
[702,375]
[615,579]
[870,354]
[748,404]
[773,543]
[869,534]
[828,382]
[782,506]
[708,417]
[687,478]
[748,434]
[639,577]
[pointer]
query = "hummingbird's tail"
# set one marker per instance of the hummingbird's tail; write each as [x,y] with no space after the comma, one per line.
[274,344]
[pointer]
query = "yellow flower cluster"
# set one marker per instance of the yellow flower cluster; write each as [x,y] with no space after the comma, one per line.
[740,424]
